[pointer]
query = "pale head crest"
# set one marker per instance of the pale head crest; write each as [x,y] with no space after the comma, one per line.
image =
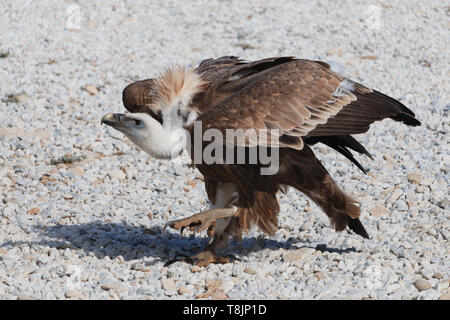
[177,84]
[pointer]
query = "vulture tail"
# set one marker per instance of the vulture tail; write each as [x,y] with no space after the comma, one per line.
[340,144]
[310,177]
[356,226]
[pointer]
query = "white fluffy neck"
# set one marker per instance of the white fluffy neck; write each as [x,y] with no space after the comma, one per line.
[173,92]
[161,142]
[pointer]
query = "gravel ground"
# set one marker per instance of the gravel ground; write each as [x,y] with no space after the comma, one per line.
[82,209]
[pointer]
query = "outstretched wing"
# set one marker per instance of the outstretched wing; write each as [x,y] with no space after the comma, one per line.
[295,99]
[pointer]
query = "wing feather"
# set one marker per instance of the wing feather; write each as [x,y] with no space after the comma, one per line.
[300,98]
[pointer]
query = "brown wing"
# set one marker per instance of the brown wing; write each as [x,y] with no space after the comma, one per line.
[298,99]
[227,75]
[220,70]
[217,69]
[358,115]
[137,96]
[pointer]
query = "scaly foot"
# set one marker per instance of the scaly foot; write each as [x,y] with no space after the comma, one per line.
[200,221]
[201,259]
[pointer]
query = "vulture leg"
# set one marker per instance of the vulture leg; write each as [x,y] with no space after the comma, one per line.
[200,221]
[220,240]
[205,258]
[221,216]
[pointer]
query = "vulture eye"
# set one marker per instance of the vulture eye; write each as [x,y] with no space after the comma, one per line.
[137,122]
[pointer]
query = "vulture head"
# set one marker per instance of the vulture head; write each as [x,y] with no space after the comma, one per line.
[162,112]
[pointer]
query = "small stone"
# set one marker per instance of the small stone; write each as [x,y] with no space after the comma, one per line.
[414,177]
[422,284]
[430,295]
[421,189]
[319,276]
[395,195]
[67,196]
[427,182]
[73,294]
[168,284]
[91,89]
[213,284]
[249,270]
[170,293]
[34,211]
[410,271]
[107,286]
[335,51]
[445,296]
[184,290]
[120,259]
[140,267]
[198,287]
[192,183]
[369,57]
[260,275]
[378,211]
[117,174]
[113,286]
[195,269]
[21,181]
[227,285]
[26,270]
[444,203]
[299,254]
[219,295]
[212,290]
[438,275]
[401,205]
[427,274]
[442,286]
[145,291]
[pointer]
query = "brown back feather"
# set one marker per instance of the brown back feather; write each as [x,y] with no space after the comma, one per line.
[299,98]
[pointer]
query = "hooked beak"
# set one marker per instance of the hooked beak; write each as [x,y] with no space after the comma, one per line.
[113,119]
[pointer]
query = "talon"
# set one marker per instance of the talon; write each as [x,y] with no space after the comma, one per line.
[176,259]
[193,226]
[200,221]
[201,259]
[204,225]
[231,257]
[167,225]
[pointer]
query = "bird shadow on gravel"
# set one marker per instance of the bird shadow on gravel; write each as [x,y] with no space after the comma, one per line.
[138,242]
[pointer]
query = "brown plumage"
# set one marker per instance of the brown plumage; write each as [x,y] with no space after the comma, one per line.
[305,102]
